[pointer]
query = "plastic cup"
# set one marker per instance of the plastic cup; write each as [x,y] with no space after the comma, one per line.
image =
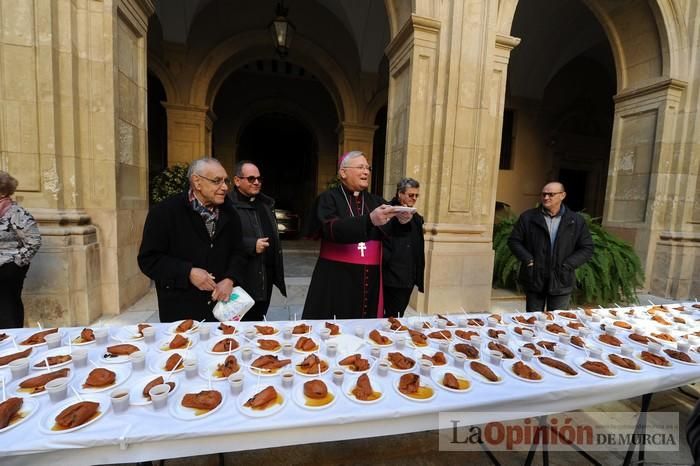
[526,354]
[654,347]
[564,338]
[235,382]
[19,367]
[595,352]
[383,368]
[541,317]
[584,332]
[425,367]
[138,360]
[561,351]
[495,357]
[57,389]
[79,356]
[626,350]
[287,379]
[101,334]
[683,346]
[375,352]
[400,342]
[204,332]
[190,368]
[539,325]
[247,353]
[325,333]
[610,330]
[53,340]
[462,322]
[120,400]
[503,339]
[476,341]
[442,324]
[417,325]
[595,318]
[287,333]
[386,325]
[491,321]
[249,333]
[149,334]
[159,396]
[444,346]
[338,375]
[459,359]
[331,349]
[360,331]
[694,340]
[287,349]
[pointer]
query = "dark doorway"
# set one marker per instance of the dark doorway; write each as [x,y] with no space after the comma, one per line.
[157,129]
[575,183]
[378,152]
[285,151]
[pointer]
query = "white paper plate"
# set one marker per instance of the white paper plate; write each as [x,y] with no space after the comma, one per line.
[50,419]
[365,354]
[400,208]
[508,369]
[262,351]
[298,360]
[299,322]
[514,318]
[582,359]
[122,358]
[300,399]
[423,383]
[74,336]
[486,350]
[418,355]
[638,355]
[207,369]
[618,328]
[661,341]
[122,373]
[462,340]
[401,371]
[63,350]
[315,350]
[28,409]
[8,339]
[410,343]
[453,351]
[554,334]
[481,378]
[386,334]
[437,376]
[18,391]
[323,325]
[644,345]
[262,335]
[694,363]
[274,409]
[211,345]
[570,319]
[172,328]
[264,373]
[500,330]
[351,383]
[158,364]
[29,334]
[12,350]
[163,345]
[598,342]
[235,324]
[525,329]
[610,363]
[189,414]
[555,371]
[136,397]
[130,333]
[475,325]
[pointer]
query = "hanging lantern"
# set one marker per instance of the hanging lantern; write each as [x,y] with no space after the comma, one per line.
[282,31]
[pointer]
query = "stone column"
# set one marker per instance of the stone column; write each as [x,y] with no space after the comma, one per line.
[354,136]
[189,132]
[447,81]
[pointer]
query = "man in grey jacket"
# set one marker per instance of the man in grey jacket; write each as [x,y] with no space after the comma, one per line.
[261,240]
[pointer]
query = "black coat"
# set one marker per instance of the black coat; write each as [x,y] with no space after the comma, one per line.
[254,281]
[403,256]
[175,240]
[553,271]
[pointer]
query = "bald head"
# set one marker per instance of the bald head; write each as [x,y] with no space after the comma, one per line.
[553,193]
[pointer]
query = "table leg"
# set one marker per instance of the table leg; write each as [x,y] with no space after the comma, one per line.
[641,428]
[488,453]
[539,437]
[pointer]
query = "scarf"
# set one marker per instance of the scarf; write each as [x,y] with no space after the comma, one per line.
[210,216]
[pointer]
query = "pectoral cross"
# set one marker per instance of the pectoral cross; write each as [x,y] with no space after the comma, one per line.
[361,247]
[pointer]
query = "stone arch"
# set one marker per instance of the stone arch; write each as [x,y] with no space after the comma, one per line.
[245,47]
[160,71]
[398,12]
[378,101]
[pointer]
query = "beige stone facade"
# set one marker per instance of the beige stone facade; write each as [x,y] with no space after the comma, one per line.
[74,105]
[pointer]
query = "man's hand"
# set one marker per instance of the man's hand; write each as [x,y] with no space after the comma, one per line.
[222,290]
[261,244]
[202,279]
[381,215]
[404,217]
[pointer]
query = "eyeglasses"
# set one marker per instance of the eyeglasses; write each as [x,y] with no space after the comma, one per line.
[551,194]
[216,181]
[362,167]
[412,195]
[251,179]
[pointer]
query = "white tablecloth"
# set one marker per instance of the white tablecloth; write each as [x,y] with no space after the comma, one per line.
[144,434]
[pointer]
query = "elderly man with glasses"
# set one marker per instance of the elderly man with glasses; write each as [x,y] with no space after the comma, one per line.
[192,246]
[261,240]
[550,241]
[403,255]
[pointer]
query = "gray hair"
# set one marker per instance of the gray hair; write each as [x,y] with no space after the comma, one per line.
[353,154]
[406,183]
[8,184]
[240,165]
[198,164]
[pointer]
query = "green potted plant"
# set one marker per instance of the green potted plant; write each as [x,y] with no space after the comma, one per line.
[172,180]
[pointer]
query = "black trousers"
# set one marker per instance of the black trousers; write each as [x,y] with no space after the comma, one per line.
[535,302]
[396,300]
[11,283]
[258,310]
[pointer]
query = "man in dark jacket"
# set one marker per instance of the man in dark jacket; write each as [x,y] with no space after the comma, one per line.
[550,241]
[403,257]
[192,246]
[261,240]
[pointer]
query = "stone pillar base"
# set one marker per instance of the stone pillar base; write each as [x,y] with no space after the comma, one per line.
[676,265]
[458,267]
[63,283]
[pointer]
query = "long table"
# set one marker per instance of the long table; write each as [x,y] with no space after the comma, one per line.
[143,434]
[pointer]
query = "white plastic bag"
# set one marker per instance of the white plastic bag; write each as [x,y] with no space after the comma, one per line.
[235,308]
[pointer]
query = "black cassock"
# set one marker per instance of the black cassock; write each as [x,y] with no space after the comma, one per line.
[345,290]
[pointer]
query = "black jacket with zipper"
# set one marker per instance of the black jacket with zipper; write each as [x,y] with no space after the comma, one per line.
[553,272]
[255,281]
